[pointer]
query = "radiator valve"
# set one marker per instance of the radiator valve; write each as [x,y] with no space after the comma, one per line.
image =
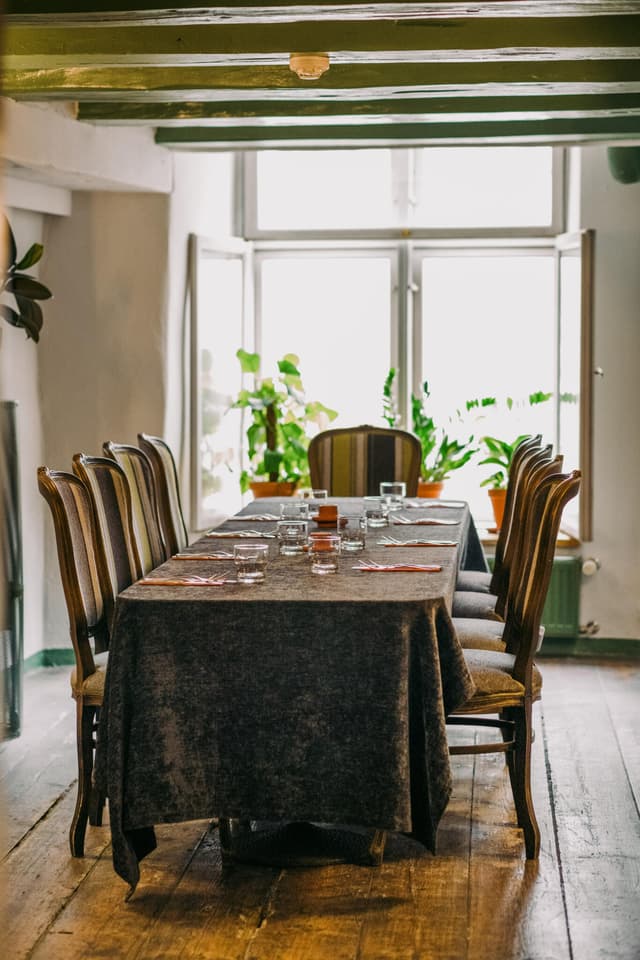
[590,566]
[589,629]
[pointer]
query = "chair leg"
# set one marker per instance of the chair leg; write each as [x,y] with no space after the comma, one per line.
[521,780]
[97,799]
[84,736]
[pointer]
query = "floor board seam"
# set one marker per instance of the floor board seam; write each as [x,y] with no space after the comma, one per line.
[470,847]
[554,821]
[619,745]
[264,914]
[40,820]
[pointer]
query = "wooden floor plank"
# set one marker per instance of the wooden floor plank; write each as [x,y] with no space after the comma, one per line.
[596,814]
[477,898]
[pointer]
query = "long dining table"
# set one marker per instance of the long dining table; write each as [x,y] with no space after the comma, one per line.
[302,698]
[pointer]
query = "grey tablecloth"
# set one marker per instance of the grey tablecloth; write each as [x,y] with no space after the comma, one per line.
[306,698]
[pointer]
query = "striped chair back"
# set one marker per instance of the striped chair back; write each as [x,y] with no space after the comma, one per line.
[108,488]
[354,461]
[144,502]
[174,530]
[81,564]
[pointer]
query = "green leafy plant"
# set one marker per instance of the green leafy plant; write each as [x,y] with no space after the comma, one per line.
[440,454]
[24,311]
[281,422]
[500,452]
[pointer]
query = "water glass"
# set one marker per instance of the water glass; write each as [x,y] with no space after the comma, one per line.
[318,497]
[294,510]
[353,533]
[324,550]
[376,511]
[292,535]
[394,493]
[250,561]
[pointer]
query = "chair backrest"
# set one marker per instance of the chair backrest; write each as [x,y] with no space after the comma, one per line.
[524,447]
[542,526]
[174,530]
[529,460]
[144,506]
[354,461]
[82,572]
[108,488]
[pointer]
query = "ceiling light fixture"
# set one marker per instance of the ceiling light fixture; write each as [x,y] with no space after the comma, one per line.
[309,66]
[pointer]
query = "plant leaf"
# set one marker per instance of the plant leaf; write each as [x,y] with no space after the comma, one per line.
[10,315]
[10,248]
[31,316]
[249,362]
[33,255]
[28,287]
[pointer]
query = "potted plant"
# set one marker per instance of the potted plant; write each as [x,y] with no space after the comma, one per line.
[24,310]
[440,455]
[500,454]
[278,432]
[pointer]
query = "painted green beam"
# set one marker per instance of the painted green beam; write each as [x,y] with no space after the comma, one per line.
[569,130]
[59,44]
[143,9]
[361,81]
[273,112]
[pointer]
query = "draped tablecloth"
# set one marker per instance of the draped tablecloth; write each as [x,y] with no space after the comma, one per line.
[319,698]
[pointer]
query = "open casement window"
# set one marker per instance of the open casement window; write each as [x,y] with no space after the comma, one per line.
[220,305]
[574,265]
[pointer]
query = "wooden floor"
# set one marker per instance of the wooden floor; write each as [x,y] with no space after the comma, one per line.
[477,900]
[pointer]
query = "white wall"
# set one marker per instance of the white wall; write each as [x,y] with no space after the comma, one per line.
[19,360]
[612,596]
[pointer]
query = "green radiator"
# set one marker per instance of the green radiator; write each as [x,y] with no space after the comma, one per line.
[561,615]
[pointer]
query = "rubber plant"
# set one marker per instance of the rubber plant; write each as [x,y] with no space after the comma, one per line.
[25,310]
[282,421]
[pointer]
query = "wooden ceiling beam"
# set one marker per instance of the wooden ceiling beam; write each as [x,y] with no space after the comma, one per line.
[61,44]
[361,81]
[311,111]
[421,133]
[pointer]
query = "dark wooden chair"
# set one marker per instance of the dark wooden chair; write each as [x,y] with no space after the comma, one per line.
[354,461]
[142,487]
[85,589]
[108,488]
[508,683]
[174,529]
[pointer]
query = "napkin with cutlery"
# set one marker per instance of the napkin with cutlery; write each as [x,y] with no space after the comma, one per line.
[240,534]
[368,566]
[257,517]
[215,581]
[424,522]
[222,555]
[390,542]
[426,503]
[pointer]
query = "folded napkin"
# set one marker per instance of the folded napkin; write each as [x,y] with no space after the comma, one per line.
[398,568]
[216,581]
[240,534]
[424,522]
[417,543]
[426,503]
[203,556]
[257,517]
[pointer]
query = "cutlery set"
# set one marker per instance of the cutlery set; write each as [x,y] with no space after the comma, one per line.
[393,542]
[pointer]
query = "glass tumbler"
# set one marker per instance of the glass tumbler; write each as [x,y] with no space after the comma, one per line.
[353,533]
[250,560]
[376,511]
[394,493]
[292,536]
[324,551]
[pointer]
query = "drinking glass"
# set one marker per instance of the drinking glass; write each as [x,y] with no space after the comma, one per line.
[294,510]
[292,535]
[353,533]
[324,550]
[250,561]
[394,493]
[376,511]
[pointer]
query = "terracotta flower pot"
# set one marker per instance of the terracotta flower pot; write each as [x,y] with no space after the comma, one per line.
[498,496]
[430,488]
[270,488]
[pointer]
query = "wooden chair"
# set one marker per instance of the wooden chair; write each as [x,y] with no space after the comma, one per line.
[508,683]
[85,588]
[174,530]
[471,604]
[146,524]
[476,580]
[354,461]
[108,488]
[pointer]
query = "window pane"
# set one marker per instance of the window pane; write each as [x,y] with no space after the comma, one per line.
[219,292]
[483,187]
[334,314]
[488,330]
[569,369]
[324,189]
